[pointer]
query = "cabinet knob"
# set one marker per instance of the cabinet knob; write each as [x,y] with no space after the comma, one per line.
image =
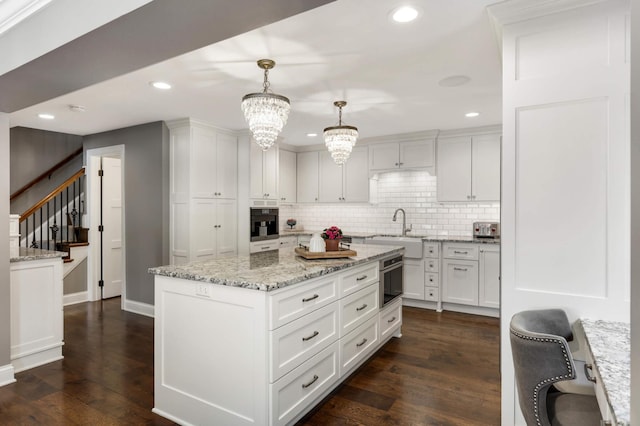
[402,164]
[397,164]
[468,197]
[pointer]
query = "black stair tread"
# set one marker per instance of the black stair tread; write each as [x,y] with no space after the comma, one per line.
[74,244]
[67,260]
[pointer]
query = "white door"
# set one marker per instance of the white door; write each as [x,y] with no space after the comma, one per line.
[460,281]
[356,176]
[384,156]
[287,176]
[112,266]
[226,224]
[416,154]
[489,278]
[485,163]
[454,169]
[307,177]
[329,179]
[413,279]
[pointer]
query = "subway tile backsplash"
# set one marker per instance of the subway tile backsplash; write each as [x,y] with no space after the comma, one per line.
[414,191]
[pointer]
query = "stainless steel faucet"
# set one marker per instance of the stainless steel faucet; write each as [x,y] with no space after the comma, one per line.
[404,221]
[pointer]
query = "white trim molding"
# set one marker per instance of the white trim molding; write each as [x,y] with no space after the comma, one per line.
[7,375]
[139,308]
[74,298]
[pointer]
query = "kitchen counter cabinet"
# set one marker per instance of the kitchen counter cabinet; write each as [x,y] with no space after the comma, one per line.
[237,345]
[413,279]
[489,276]
[402,155]
[263,173]
[345,183]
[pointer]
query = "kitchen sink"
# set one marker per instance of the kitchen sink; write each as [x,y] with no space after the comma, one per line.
[412,246]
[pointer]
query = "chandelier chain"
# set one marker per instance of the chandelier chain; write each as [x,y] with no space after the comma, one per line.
[266,83]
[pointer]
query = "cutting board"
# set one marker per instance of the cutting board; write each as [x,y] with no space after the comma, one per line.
[343,252]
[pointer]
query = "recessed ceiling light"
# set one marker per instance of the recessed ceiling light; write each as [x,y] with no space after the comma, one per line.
[46,116]
[405,14]
[454,80]
[472,114]
[160,85]
[312,135]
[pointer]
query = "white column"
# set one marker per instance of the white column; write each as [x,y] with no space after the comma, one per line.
[565,164]
[6,370]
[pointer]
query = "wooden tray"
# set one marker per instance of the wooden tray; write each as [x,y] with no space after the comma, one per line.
[343,252]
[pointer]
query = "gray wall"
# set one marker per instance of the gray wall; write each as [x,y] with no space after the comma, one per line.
[5,306]
[146,201]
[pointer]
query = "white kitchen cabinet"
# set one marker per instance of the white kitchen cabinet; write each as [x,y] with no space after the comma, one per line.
[345,183]
[489,281]
[413,279]
[214,230]
[203,186]
[471,275]
[287,176]
[402,155]
[289,241]
[460,281]
[307,177]
[263,183]
[469,168]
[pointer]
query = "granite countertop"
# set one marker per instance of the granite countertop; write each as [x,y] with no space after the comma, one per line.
[23,254]
[270,270]
[444,239]
[610,345]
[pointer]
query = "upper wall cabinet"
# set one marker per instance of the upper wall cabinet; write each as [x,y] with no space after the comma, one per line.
[307,177]
[264,173]
[402,155]
[346,183]
[469,168]
[287,177]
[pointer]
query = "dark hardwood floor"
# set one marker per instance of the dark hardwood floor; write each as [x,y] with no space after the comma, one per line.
[443,371]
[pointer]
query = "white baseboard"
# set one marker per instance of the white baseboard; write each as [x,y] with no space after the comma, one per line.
[73,298]
[7,375]
[139,308]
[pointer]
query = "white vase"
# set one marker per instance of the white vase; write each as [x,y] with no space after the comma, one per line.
[316,245]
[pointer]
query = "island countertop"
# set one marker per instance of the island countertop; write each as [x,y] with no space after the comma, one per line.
[270,270]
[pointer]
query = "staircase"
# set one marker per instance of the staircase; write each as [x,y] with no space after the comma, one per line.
[55,222]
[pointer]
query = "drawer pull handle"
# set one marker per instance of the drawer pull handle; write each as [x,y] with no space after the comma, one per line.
[392,319]
[361,278]
[460,252]
[460,269]
[361,307]
[587,368]
[309,299]
[266,248]
[362,343]
[315,333]
[306,385]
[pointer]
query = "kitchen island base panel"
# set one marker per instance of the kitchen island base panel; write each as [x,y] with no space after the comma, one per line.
[214,350]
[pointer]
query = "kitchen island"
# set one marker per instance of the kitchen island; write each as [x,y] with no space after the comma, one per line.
[260,339]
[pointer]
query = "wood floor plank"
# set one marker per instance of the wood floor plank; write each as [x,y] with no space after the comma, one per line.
[443,371]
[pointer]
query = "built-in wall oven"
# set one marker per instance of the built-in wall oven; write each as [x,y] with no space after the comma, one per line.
[391,279]
[264,224]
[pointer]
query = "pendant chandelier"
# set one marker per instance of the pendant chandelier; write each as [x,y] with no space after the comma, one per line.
[340,139]
[266,113]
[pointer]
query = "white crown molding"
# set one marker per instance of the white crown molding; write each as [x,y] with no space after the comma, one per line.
[191,122]
[471,131]
[12,12]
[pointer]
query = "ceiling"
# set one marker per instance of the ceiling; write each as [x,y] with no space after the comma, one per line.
[389,74]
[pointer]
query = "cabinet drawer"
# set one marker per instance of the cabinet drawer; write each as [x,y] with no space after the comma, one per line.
[358,345]
[390,318]
[460,251]
[358,307]
[291,394]
[431,265]
[287,242]
[431,294]
[291,303]
[431,280]
[295,342]
[359,278]
[432,250]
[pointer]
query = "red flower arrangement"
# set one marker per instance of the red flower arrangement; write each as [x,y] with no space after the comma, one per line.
[332,233]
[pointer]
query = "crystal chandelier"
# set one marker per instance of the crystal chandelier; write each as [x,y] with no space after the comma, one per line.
[340,139]
[266,113]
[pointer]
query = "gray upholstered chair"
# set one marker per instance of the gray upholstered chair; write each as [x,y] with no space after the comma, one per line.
[541,357]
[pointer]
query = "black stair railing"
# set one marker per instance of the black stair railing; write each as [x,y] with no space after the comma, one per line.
[57,217]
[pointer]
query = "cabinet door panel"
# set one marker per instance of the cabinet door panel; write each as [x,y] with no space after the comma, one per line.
[255,171]
[329,179]
[489,286]
[384,156]
[413,279]
[307,177]
[485,180]
[460,281]
[203,232]
[356,176]
[287,176]
[202,163]
[417,154]
[454,169]
[227,221]
[226,166]
[270,173]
